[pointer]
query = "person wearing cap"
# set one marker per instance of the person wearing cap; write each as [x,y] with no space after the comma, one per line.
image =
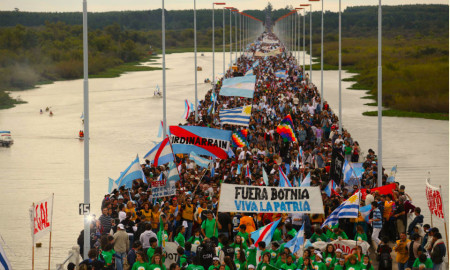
[215,265]
[121,245]
[251,267]
[318,263]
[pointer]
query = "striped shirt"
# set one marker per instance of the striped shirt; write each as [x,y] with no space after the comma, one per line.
[377,215]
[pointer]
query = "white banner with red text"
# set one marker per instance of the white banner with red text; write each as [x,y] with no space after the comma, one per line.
[434,199]
[41,218]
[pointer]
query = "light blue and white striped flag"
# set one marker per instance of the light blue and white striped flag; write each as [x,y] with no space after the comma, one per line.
[132,172]
[173,172]
[243,86]
[348,209]
[239,116]
[202,162]
[297,242]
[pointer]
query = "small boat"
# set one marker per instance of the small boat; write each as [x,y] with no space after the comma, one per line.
[81,135]
[41,112]
[47,109]
[5,138]
[199,68]
[207,80]
[157,94]
[202,54]
[50,114]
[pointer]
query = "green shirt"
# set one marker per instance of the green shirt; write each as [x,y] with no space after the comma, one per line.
[237,247]
[210,228]
[212,267]
[180,239]
[428,263]
[157,267]
[243,235]
[338,267]
[251,256]
[195,240]
[279,263]
[150,252]
[264,266]
[108,256]
[240,265]
[166,236]
[330,260]
[195,267]
[292,232]
[276,235]
[343,235]
[183,259]
[142,265]
[273,256]
[315,237]
[319,266]
[356,266]
[364,267]
[360,237]
[291,266]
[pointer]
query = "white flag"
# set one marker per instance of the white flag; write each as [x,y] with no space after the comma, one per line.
[41,218]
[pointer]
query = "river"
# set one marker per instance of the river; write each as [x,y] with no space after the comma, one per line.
[47,157]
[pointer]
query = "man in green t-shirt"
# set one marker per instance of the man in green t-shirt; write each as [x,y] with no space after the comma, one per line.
[210,226]
[151,250]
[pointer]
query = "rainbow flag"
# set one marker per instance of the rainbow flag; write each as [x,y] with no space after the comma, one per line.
[286,129]
[239,138]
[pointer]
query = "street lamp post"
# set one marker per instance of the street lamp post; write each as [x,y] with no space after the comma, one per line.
[213,45]
[236,11]
[231,34]
[321,58]
[340,72]
[380,99]
[163,25]
[87,224]
[223,41]
[195,57]
[310,39]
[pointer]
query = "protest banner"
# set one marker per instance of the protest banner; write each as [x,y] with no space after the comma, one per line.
[434,200]
[347,246]
[163,188]
[201,140]
[383,190]
[41,214]
[337,162]
[242,198]
[171,252]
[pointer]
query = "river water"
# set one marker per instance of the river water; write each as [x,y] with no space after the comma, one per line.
[47,157]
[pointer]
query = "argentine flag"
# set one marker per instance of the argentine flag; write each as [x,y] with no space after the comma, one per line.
[243,86]
[348,209]
[132,172]
[265,177]
[365,212]
[202,162]
[295,243]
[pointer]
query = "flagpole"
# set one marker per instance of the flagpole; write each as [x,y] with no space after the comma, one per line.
[51,229]
[32,237]
[195,57]
[445,223]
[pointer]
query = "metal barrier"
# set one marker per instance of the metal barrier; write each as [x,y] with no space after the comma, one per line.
[73,257]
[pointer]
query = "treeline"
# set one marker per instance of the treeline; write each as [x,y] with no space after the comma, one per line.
[360,20]
[55,52]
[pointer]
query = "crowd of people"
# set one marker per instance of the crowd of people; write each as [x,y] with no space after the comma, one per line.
[133,224]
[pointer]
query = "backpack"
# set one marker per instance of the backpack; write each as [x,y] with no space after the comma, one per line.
[384,257]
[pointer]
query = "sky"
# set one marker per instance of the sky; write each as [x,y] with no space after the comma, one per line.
[117,5]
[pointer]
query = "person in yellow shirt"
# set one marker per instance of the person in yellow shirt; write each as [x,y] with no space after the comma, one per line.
[146,213]
[131,209]
[402,251]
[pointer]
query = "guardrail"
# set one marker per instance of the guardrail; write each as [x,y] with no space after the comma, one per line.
[73,257]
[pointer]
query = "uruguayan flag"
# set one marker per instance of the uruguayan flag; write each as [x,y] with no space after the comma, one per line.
[297,242]
[239,87]
[132,172]
[348,209]
[202,162]
[239,116]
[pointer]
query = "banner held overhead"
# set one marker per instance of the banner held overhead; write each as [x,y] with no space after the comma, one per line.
[242,198]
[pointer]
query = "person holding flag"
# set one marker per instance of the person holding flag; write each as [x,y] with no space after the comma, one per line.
[210,226]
